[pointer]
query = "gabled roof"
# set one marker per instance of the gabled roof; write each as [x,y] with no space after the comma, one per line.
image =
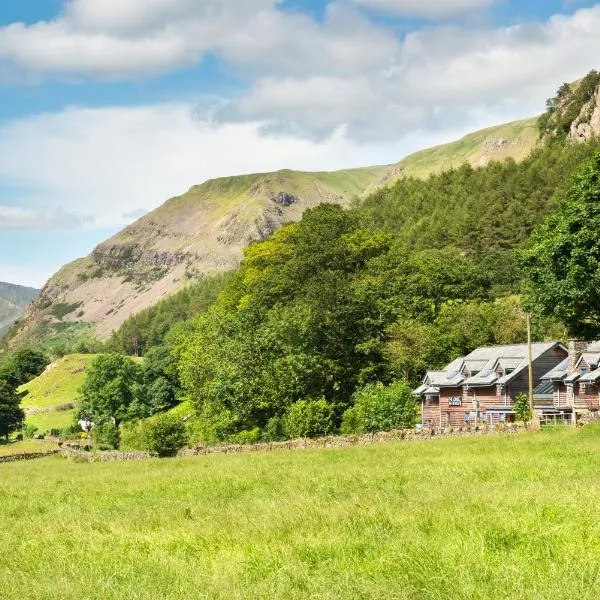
[591,356]
[558,372]
[486,366]
[592,376]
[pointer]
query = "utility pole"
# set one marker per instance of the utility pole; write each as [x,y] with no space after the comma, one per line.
[530,361]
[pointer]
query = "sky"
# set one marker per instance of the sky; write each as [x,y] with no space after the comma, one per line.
[110,107]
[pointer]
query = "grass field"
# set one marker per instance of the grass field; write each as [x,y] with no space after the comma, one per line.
[25,447]
[59,384]
[52,420]
[506,517]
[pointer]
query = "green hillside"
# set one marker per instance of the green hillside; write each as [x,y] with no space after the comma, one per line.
[205,230]
[59,384]
[505,517]
[49,395]
[511,140]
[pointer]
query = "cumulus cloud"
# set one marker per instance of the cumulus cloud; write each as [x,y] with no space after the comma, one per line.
[120,39]
[16,217]
[425,8]
[439,76]
[113,163]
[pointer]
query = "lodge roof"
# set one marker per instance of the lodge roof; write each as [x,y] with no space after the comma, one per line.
[590,358]
[485,366]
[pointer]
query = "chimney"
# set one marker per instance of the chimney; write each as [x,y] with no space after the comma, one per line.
[576,349]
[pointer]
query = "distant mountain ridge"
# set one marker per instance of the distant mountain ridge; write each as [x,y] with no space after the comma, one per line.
[13,300]
[206,229]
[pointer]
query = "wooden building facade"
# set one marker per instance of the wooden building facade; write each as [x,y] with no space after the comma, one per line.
[482,387]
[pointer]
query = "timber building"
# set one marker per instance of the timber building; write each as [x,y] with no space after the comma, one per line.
[575,382]
[482,387]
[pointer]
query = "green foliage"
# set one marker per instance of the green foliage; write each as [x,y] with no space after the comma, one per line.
[414,347]
[62,309]
[29,430]
[110,392]
[567,106]
[248,436]
[11,413]
[562,260]
[150,327]
[164,434]
[306,314]
[485,212]
[522,408]
[381,408]
[22,366]
[106,436]
[309,419]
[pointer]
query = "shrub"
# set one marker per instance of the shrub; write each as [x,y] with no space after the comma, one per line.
[106,436]
[274,430]
[309,418]
[29,430]
[380,408]
[248,436]
[522,408]
[164,434]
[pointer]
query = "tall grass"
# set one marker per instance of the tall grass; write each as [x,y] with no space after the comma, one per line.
[502,517]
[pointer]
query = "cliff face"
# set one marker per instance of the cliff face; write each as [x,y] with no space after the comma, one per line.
[587,124]
[13,300]
[206,230]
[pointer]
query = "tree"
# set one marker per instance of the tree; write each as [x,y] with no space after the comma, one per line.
[309,419]
[23,366]
[522,408]
[111,386]
[11,413]
[164,434]
[562,261]
[380,408]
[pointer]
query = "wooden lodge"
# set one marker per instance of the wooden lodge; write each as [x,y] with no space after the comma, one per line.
[482,387]
[575,383]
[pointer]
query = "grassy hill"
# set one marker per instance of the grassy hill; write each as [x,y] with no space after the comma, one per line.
[205,230]
[462,518]
[54,390]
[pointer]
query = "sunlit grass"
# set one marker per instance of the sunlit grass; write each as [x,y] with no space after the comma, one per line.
[24,447]
[491,517]
[59,384]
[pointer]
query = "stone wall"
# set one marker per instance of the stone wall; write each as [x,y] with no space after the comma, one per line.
[407,435]
[26,456]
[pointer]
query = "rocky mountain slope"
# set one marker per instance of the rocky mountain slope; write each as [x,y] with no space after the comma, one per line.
[206,229]
[13,300]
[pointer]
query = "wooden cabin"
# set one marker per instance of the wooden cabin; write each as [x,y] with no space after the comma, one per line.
[576,382]
[482,387]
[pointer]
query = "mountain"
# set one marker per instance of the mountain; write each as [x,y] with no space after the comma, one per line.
[13,300]
[205,230]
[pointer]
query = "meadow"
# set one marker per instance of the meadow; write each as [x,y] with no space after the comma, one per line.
[511,516]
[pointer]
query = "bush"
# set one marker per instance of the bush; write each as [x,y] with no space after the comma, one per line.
[106,436]
[522,408]
[164,434]
[29,430]
[274,430]
[380,408]
[309,418]
[248,436]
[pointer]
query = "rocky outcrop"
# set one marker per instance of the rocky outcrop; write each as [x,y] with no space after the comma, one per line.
[587,124]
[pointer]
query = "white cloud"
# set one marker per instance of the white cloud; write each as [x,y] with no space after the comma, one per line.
[126,38]
[17,217]
[425,8]
[110,162]
[439,76]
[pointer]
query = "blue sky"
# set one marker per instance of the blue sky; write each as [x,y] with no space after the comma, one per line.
[110,107]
